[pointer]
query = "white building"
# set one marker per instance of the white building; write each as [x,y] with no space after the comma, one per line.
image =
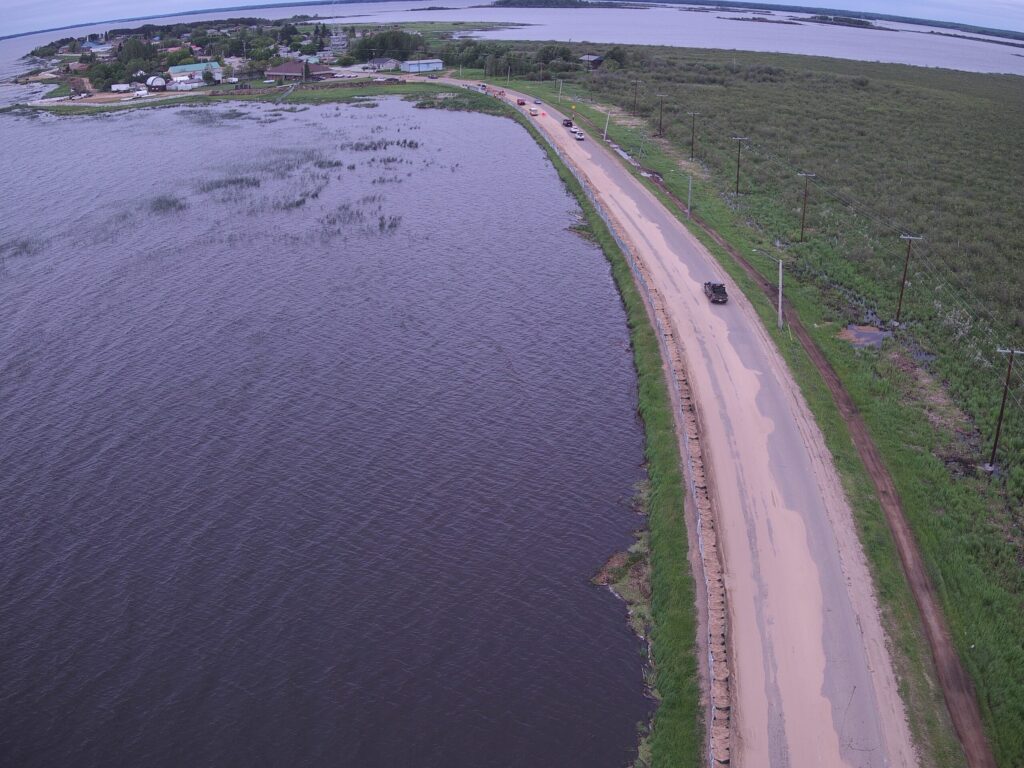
[184,73]
[422,65]
[381,64]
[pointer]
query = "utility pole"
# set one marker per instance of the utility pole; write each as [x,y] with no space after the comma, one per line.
[739,147]
[1002,408]
[661,113]
[689,197]
[607,117]
[803,214]
[906,263]
[559,90]
[636,91]
[693,131]
[508,78]
[779,303]
[780,294]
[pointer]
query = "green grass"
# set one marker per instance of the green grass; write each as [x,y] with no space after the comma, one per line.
[966,538]
[895,149]
[63,89]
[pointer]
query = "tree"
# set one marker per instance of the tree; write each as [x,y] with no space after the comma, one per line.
[133,48]
[208,77]
[548,53]
[617,54]
[286,33]
[305,71]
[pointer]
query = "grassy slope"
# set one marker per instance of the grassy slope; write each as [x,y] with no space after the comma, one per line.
[956,520]
[677,737]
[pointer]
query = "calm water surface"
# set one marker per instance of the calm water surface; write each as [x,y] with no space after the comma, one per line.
[313,427]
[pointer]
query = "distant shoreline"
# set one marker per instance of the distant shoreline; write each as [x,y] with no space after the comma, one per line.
[711,4]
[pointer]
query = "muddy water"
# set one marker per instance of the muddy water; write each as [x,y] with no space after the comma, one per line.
[314,426]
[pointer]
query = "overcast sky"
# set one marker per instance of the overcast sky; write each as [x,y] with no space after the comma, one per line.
[17,16]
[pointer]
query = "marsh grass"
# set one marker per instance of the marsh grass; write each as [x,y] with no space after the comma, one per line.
[231,182]
[167,204]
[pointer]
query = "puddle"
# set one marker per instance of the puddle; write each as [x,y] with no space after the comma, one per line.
[864,335]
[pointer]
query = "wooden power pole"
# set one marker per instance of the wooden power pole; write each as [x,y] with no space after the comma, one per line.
[1002,407]
[903,282]
[739,147]
[803,214]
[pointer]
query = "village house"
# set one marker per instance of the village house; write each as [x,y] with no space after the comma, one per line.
[193,73]
[422,65]
[99,49]
[382,64]
[295,70]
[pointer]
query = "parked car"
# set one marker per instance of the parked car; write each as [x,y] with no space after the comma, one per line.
[716,293]
[567,123]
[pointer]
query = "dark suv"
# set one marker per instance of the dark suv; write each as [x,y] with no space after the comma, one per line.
[716,293]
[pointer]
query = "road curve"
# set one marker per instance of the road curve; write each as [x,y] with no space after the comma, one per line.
[813,683]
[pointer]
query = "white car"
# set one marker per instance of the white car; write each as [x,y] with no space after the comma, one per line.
[579,136]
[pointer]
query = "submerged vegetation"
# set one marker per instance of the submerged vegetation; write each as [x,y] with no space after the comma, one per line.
[167,204]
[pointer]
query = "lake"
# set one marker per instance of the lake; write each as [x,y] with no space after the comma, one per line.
[315,424]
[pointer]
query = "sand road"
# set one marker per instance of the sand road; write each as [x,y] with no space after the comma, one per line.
[812,681]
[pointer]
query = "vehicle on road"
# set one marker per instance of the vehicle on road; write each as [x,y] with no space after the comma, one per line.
[716,292]
[533,112]
[536,101]
[521,102]
[579,135]
[567,123]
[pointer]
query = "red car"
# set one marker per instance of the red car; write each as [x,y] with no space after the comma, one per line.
[521,102]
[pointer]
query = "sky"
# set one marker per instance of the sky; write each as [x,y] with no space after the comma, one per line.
[19,16]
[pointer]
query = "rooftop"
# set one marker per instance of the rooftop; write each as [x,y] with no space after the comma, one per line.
[181,69]
[296,68]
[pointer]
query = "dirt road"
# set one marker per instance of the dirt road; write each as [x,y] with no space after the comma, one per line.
[812,682]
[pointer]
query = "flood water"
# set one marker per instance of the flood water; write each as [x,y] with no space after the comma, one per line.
[314,426]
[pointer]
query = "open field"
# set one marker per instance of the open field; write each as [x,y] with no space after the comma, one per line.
[896,150]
